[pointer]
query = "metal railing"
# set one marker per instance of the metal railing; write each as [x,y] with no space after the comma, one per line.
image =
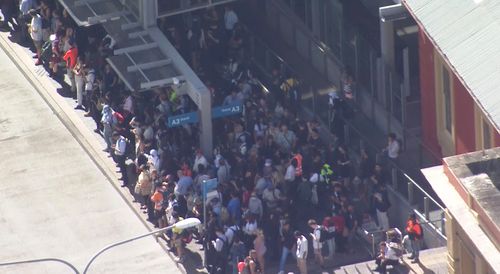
[376,236]
[402,180]
[419,195]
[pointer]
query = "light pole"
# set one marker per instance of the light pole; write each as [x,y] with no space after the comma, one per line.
[43,260]
[184,224]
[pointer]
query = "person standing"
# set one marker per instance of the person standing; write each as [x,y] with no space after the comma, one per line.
[80,82]
[144,187]
[381,204]
[288,243]
[25,6]
[36,34]
[70,57]
[119,152]
[108,121]
[89,88]
[351,224]
[414,230]
[302,248]
[221,247]
[392,149]
[230,20]
[317,245]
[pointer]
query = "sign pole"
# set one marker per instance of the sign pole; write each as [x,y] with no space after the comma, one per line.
[205,245]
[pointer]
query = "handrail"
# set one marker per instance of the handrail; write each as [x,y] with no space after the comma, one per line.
[423,191]
[367,141]
[43,260]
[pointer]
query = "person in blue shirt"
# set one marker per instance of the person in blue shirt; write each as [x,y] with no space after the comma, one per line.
[234,208]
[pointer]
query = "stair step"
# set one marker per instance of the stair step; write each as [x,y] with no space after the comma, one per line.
[350,269]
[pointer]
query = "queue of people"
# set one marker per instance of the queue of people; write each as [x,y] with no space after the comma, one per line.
[274,171]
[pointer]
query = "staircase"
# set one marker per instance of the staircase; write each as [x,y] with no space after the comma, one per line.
[366,267]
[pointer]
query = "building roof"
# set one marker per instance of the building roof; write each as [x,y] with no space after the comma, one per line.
[467,33]
[463,215]
[469,186]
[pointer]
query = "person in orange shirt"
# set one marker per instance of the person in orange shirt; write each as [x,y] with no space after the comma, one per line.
[157,199]
[298,169]
[71,57]
[415,233]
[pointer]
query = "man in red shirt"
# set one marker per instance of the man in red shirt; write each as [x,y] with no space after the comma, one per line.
[414,230]
[71,57]
[339,223]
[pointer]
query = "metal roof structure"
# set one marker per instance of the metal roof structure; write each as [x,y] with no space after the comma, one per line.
[170,7]
[467,34]
[138,59]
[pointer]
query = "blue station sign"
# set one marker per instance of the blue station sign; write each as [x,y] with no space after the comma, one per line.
[182,119]
[192,117]
[228,110]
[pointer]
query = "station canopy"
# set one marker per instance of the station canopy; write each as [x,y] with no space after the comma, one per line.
[174,7]
[138,58]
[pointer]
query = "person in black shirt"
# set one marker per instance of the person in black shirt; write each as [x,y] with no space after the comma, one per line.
[351,223]
[288,242]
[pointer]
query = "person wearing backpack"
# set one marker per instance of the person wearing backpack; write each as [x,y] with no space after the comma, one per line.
[317,235]
[416,234]
[221,247]
[237,253]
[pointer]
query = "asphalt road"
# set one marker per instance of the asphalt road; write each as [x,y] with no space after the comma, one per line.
[54,200]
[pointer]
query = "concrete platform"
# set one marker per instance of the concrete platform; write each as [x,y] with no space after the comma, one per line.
[55,201]
[431,261]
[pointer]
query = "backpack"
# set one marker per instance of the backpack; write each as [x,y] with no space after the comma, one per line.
[325,234]
[421,236]
[236,232]
[225,247]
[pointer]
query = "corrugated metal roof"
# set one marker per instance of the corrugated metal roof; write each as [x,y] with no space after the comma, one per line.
[467,33]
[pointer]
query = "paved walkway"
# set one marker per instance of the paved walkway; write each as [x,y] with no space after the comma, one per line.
[58,194]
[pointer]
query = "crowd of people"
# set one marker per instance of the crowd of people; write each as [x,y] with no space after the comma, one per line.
[281,188]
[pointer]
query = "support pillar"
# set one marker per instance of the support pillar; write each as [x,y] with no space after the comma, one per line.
[148,13]
[205,113]
[387,42]
[387,15]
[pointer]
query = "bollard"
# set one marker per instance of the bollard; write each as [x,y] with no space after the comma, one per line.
[394,174]
[410,193]
[426,208]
